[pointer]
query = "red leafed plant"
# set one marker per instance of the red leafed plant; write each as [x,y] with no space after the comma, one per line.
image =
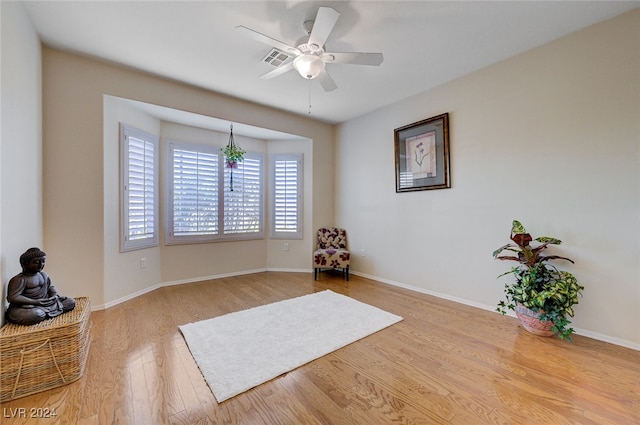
[538,285]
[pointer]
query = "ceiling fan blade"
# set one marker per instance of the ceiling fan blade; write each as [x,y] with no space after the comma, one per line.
[326,81]
[267,40]
[355,58]
[278,71]
[325,21]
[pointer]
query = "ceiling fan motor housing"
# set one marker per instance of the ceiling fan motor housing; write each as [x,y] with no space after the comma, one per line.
[302,44]
[309,50]
[310,63]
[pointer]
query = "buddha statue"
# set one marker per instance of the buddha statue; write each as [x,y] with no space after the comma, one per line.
[31,295]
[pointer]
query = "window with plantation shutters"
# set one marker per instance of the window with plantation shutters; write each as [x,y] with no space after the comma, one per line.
[139,189]
[286,196]
[194,192]
[204,205]
[243,197]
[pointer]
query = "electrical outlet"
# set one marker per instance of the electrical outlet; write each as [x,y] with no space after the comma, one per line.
[363,253]
[143,263]
[286,247]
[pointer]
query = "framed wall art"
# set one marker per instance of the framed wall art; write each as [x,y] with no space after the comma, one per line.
[422,155]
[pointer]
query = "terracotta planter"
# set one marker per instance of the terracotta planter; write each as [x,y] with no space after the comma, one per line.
[530,320]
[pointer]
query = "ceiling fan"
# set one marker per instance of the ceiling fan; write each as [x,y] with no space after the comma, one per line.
[309,55]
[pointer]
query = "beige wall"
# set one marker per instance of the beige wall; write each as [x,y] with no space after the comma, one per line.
[81,196]
[192,261]
[189,262]
[277,257]
[123,269]
[550,137]
[20,144]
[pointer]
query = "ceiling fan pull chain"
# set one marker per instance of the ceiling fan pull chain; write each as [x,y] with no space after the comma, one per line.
[309,97]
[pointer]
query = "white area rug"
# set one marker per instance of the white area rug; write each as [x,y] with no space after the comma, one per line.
[241,350]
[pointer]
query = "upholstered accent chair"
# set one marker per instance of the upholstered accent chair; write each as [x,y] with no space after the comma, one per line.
[331,252]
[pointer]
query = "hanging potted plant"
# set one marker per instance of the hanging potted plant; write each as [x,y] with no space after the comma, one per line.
[541,296]
[233,154]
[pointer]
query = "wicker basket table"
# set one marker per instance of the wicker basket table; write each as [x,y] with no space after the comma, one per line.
[46,355]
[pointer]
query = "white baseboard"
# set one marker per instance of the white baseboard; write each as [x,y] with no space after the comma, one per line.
[578,331]
[607,338]
[172,283]
[212,277]
[290,270]
[126,298]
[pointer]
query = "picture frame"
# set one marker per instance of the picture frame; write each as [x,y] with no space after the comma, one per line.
[422,156]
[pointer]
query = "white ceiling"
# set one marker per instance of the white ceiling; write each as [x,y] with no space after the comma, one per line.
[425,43]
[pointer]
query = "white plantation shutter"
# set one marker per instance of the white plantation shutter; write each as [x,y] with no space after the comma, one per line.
[243,204]
[286,195]
[194,192]
[201,207]
[139,194]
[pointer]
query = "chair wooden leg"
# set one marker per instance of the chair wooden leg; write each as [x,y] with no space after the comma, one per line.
[346,273]
[315,273]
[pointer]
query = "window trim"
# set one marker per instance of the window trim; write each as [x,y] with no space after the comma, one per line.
[170,239]
[220,236]
[126,244]
[261,214]
[299,158]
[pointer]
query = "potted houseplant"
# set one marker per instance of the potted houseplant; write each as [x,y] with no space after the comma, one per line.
[233,154]
[542,296]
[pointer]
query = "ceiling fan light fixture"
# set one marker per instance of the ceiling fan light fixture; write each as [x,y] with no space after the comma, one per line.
[308,66]
[309,54]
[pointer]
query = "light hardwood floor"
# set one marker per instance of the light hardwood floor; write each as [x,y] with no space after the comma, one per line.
[445,363]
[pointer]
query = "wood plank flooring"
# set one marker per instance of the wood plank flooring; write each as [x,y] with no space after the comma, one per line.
[445,363]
